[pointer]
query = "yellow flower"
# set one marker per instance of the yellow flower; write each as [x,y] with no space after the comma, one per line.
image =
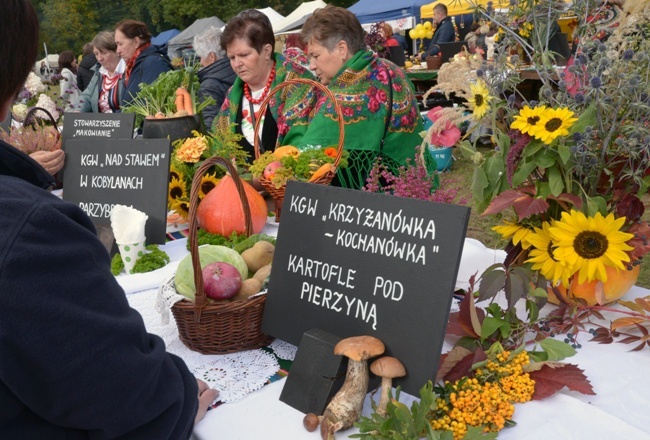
[589,244]
[479,99]
[515,231]
[553,123]
[192,149]
[182,207]
[208,182]
[177,189]
[542,256]
[528,118]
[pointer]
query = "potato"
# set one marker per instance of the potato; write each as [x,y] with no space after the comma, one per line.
[180,113]
[249,287]
[259,255]
[263,273]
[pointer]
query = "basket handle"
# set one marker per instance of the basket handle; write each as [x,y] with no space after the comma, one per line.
[30,114]
[201,299]
[314,84]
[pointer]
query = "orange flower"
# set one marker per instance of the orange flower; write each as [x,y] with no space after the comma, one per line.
[192,149]
[331,152]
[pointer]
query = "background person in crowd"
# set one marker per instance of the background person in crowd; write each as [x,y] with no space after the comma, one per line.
[144,61]
[85,70]
[249,41]
[76,362]
[387,31]
[107,84]
[378,102]
[69,91]
[216,75]
[444,32]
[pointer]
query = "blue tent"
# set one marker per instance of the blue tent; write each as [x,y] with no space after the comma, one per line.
[164,37]
[373,11]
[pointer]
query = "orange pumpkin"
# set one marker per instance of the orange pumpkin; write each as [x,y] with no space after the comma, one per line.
[618,283]
[221,212]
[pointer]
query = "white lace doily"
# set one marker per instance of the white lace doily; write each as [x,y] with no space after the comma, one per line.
[235,375]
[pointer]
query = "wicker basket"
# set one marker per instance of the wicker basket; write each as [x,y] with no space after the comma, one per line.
[434,62]
[223,327]
[278,193]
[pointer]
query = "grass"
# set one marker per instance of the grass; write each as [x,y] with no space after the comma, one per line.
[459,180]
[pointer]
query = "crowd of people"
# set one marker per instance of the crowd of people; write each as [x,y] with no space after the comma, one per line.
[72,348]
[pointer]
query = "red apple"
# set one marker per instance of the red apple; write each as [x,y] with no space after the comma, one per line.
[270,169]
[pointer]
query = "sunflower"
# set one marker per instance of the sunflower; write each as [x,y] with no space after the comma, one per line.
[588,244]
[527,119]
[542,256]
[174,173]
[208,182]
[553,123]
[479,99]
[182,207]
[177,189]
[514,231]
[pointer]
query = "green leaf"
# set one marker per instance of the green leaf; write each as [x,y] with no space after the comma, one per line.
[532,310]
[538,356]
[476,433]
[564,152]
[587,117]
[556,350]
[546,159]
[524,171]
[555,181]
[596,204]
[491,325]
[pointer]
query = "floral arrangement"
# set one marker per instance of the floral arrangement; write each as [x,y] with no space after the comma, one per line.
[33,95]
[288,163]
[187,157]
[376,41]
[570,165]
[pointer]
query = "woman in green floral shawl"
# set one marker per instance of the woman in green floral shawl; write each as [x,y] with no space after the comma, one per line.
[378,102]
[248,41]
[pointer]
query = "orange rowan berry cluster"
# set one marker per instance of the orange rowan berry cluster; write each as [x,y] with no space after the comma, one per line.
[486,399]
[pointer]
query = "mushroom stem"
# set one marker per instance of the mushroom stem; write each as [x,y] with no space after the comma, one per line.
[345,407]
[386,384]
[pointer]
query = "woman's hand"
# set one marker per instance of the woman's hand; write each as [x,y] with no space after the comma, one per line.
[52,161]
[206,397]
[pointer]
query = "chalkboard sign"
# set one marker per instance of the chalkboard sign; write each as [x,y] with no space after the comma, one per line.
[6,124]
[97,125]
[104,172]
[356,263]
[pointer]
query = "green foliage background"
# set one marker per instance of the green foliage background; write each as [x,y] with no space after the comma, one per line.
[69,24]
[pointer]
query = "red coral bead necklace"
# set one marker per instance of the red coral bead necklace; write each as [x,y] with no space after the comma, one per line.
[265,93]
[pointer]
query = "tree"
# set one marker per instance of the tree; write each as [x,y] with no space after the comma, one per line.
[67,24]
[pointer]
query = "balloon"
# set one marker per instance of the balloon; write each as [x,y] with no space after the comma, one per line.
[422,33]
[413,34]
[429,34]
[427,25]
[418,27]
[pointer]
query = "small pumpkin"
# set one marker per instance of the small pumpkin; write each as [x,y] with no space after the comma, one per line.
[221,212]
[286,150]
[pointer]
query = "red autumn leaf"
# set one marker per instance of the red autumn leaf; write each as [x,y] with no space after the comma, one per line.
[504,201]
[449,360]
[567,197]
[550,380]
[463,367]
[465,317]
[530,206]
[640,242]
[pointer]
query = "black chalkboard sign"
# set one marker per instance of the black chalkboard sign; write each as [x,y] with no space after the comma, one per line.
[100,173]
[6,124]
[355,263]
[97,125]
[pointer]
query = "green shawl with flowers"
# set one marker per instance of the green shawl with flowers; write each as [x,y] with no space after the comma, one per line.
[362,89]
[290,107]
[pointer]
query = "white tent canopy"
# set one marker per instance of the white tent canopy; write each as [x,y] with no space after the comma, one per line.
[275,17]
[297,18]
[185,38]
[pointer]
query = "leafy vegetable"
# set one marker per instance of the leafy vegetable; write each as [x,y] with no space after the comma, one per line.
[204,237]
[152,260]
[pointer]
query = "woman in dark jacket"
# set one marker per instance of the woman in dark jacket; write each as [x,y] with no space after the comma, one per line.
[144,61]
[216,76]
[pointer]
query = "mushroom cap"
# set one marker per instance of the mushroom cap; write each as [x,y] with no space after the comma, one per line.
[359,348]
[389,367]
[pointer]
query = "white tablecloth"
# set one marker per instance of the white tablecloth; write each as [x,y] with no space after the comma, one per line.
[619,410]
